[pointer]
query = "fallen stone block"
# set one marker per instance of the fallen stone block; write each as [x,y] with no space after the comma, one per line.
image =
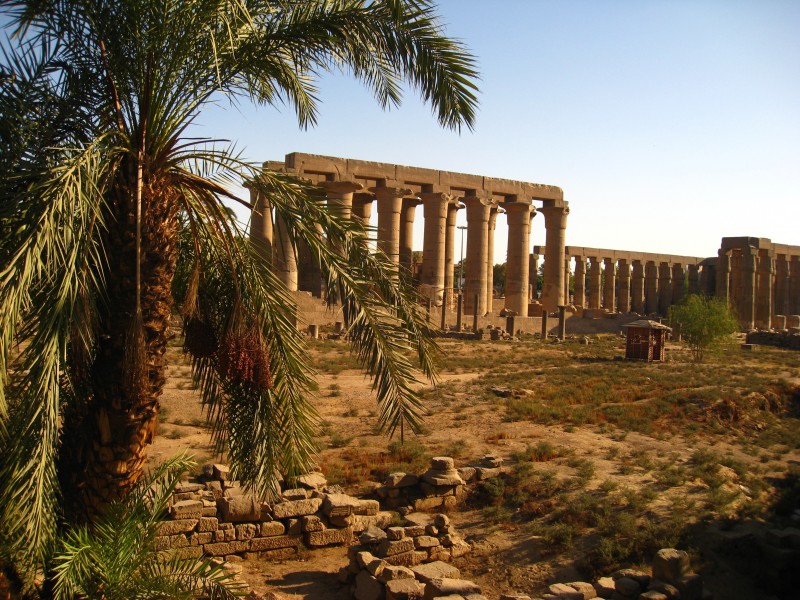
[372,535]
[329,537]
[586,590]
[653,595]
[177,526]
[425,541]
[642,578]
[404,589]
[435,570]
[367,507]
[339,505]
[427,503]
[341,521]
[460,549]
[225,548]
[294,494]
[246,531]
[400,480]
[368,587]
[604,587]
[484,473]
[236,509]
[389,547]
[627,586]
[444,587]
[271,528]
[296,508]
[414,530]
[186,509]
[670,564]
[418,519]
[467,473]
[405,559]
[312,481]
[271,543]
[394,572]
[220,472]
[565,592]
[439,553]
[312,523]
[395,533]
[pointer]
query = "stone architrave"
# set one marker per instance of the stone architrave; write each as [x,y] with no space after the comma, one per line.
[746,306]
[766,272]
[490,257]
[594,282]
[449,251]
[723,276]
[694,279]
[624,295]
[580,281]
[637,288]
[285,256]
[610,284]
[390,201]
[651,287]
[435,207]
[518,257]
[678,283]
[555,223]
[261,231]
[408,211]
[664,288]
[478,212]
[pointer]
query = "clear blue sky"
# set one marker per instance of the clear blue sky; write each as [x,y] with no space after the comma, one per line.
[668,123]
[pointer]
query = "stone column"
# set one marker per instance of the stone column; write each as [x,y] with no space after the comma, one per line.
[261,234]
[434,207]
[766,271]
[518,256]
[555,222]
[651,287]
[567,273]
[782,285]
[533,276]
[362,207]
[747,307]
[340,196]
[594,282]
[610,284]
[478,212]
[678,283]
[490,258]
[694,279]
[408,211]
[285,256]
[664,288]
[390,201]
[580,281]
[794,285]
[637,288]
[624,297]
[723,276]
[449,250]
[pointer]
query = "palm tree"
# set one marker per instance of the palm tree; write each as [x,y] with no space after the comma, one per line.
[111,218]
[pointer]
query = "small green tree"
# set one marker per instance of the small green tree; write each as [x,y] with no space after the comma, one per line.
[703,322]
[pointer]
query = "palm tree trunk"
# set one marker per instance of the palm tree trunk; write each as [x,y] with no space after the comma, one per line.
[106,450]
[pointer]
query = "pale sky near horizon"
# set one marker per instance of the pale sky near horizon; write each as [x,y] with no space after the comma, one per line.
[668,124]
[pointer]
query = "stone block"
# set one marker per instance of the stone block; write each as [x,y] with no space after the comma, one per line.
[484,473]
[294,494]
[653,595]
[442,463]
[329,537]
[395,533]
[270,528]
[441,520]
[435,570]
[188,552]
[604,587]
[237,509]
[460,549]
[418,519]
[246,531]
[427,503]
[400,480]
[377,566]
[339,505]
[215,487]
[272,543]
[225,548]
[468,474]
[434,477]
[438,553]
[405,559]
[177,526]
[342,521]
[296,508]
[414,530]
[404,589]
[169,542]
[198,539]
[586,590]
[445,587]
[294,527]
[363,558]
[220,472]
[670,564]
[627,586]
[429,490]
[312,523]
[565,592]
[368,587]
[367,507]
[361,523]
[390,547]
[312,481]
[392,573]
[176,497]
[186,509]
[640,577]
[184,487]
[207,524]
[425,541]
[372,535]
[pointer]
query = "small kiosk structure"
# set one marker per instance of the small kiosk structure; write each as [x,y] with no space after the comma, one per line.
[646,340]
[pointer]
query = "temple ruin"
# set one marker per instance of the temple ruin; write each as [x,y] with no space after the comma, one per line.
[759,278]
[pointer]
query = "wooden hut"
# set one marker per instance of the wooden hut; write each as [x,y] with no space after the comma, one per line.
[646,340]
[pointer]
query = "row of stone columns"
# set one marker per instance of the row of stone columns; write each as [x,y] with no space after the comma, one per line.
[758,285]
[644,287]
[396,206]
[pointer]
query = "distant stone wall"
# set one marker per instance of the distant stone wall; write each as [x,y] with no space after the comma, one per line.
[781,339]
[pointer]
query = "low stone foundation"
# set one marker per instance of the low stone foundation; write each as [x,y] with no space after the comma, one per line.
[782,339]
